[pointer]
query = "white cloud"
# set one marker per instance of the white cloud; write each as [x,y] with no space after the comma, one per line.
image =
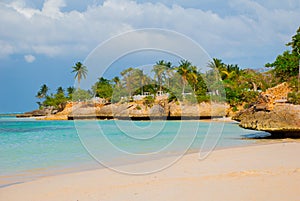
[20,7]
[248,30]
[52,8]
[5,49]
[29,58]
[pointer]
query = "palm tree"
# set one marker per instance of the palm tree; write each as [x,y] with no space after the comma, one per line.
[60,90]
[42,93]
[217,66]
[184,69]
[128,78]
[159,69]
[193,77]
[169,72]
[70,91]
[142,78]
[80,72]
[116,80]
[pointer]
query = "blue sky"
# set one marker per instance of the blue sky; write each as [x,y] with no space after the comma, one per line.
[41,40]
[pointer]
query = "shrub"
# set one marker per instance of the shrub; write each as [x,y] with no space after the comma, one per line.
[190,99]
[294,98]
[149,100]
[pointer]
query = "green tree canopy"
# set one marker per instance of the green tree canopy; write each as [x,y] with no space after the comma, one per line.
[81,95]
[80,72]
[285,66]
[184,69]
[42,93]
[295,43]
[103,89]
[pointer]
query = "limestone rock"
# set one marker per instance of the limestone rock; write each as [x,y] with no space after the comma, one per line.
[282,121]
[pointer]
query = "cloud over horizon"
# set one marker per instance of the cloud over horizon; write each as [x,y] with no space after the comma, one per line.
[29,58]
[250,30]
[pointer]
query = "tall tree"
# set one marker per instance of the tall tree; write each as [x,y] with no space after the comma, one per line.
[42,93]
[142,79]
[169,73]
[116,80]
[103,88]
[285,66]
[295,43]
[60,90]
[184,69]
[193,77]
[128,78]
[80,72]
[216,63]
[159,69]
[70,91]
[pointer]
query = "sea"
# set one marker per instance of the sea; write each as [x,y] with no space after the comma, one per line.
[30,149]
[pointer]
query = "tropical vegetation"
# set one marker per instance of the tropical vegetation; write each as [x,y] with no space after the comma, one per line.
[184,82]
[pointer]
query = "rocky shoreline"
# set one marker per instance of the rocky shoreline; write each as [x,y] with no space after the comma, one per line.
[159,110]
[271,113]
[282,122]
[279,118]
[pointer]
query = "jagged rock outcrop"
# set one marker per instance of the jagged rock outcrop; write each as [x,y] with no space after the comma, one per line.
[38,113]
[268,99]
[271,114]
[159,108]
[139,111]
[283,121]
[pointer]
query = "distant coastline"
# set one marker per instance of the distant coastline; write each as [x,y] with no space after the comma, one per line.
[10,114]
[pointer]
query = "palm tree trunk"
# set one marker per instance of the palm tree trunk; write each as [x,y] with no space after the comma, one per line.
[183,89]
[160,83]
[254,86]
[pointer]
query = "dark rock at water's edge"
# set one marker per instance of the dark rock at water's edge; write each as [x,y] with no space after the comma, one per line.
[38,113]
[283,121]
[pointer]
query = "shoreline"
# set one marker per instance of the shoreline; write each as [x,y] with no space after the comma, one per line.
[87,167]
[215,164]
[90,167]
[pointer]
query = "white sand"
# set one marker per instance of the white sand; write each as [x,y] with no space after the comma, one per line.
[263,172]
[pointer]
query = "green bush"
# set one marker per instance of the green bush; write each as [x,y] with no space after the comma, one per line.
[294,98]
[203,98]
[172,97]
[81,95]
[190,99]
[149,100]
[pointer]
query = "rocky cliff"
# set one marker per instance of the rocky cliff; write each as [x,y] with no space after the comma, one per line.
[138,111]
[282,121]
[271,114]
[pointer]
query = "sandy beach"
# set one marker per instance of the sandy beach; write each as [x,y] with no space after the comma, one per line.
[259,172]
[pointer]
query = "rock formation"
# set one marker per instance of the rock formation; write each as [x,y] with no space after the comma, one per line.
[272,114]
[160,109]
[283,121]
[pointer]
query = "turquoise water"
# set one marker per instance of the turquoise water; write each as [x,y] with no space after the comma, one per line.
[30,148]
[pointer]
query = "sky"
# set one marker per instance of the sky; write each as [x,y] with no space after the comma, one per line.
[40,40]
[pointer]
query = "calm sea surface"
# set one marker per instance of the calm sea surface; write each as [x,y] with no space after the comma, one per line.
[30,148]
